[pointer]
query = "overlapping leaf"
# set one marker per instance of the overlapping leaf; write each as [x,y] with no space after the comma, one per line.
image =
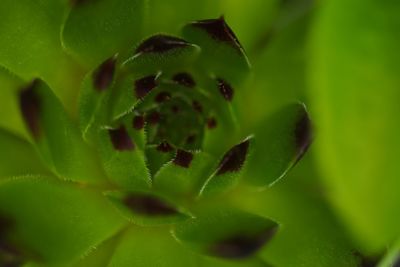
[280,142]
[58,222]
[55,135]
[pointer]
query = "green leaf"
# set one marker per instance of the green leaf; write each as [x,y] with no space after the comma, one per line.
[162,52]
[184,183]
[95,30]
[136,250]
[226,233]
[147,209]
[58,221]
[229,170]
[95,96]
[18,157]
[222,56]
[310,233]
[31,45]
[280,142]
[55,136]
[355,92]
[121,148]
[10,118]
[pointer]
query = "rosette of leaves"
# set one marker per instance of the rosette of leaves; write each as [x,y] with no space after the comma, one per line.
[147,169]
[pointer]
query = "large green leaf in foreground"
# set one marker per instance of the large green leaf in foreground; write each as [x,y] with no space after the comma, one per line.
[355,82]
[65,221]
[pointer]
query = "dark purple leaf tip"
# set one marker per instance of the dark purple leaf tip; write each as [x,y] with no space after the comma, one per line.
[219,30]
[162,97]
[104,74]
[225,89]
[121,139]
[211,123]
[165,147]
[242,246]
[160,43]
[144,85]
[149,205]
[183,158]
[153,117]
[30,108]
[184,79]
[303,133]
[138,122]
[197,106]
[234,159]
[191,139]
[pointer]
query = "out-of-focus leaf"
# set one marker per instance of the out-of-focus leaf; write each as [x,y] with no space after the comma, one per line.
[222,56]
[226,233]
[135,249]
[229,169]
[147,209]
[279,75]
[309,233]
[211,262]
[355,91]
[31,47]
[250,20]
[58,221]
[54,134]
[184,183]
[17,157]
[95,30]
[10,118]
[123,156]
[280,142]
[179,12]
[392,257]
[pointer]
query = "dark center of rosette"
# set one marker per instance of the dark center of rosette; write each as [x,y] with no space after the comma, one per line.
[183,129]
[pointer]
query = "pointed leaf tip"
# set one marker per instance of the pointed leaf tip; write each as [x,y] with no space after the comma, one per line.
[234,159]
[104,74]
[219,30]
[160,43]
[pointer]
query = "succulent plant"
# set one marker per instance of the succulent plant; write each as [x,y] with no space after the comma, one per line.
[137,133]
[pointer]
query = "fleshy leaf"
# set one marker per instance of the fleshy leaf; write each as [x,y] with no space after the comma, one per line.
[180,182]
[227,234]
[121,149]
[147,209]
[10,118]
[93,31]
[57,221]
[355,92]
[31,45]
[310,234]
[54,134]
[131,90]
[229,169]
[162,52]
[222,54]
[18,157]
[280,143]
[136,250]
[94,97]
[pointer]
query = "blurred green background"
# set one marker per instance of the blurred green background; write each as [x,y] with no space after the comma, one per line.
[340,57]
